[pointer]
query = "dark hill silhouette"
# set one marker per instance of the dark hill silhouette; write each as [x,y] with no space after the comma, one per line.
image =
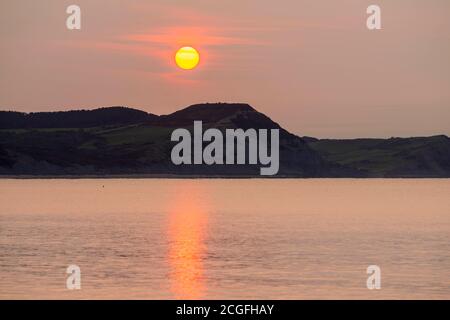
[124,141]
[297,157]
[394,157]
[207,112]
[73,118]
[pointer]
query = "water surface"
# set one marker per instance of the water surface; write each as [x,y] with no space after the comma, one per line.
[241,239]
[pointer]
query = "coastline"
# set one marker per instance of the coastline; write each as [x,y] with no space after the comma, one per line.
[182,177]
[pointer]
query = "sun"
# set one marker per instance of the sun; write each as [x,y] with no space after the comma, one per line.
[187,58]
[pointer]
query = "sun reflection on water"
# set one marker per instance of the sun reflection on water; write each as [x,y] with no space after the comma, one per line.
[187,230]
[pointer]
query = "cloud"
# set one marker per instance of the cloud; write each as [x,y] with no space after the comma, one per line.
[193,36]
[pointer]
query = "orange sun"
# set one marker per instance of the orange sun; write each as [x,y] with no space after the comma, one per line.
[187,58]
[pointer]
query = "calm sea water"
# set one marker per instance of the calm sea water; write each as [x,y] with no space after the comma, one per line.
[242,239]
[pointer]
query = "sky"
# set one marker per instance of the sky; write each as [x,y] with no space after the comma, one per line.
[310,65]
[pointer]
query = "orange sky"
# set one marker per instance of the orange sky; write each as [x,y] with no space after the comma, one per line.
[311,65]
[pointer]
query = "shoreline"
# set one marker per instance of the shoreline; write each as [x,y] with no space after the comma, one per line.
[182,177]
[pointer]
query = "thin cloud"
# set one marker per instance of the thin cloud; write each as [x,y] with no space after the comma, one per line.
[200,36]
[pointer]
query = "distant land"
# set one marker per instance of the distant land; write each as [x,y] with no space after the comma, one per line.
[120,141]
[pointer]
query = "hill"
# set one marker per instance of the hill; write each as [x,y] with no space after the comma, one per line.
[124,141]
[73,119]
[394,157]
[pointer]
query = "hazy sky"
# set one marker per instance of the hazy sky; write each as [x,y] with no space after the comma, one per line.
[311,65]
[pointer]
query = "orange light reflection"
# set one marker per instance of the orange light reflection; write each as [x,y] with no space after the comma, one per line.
[187,228]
